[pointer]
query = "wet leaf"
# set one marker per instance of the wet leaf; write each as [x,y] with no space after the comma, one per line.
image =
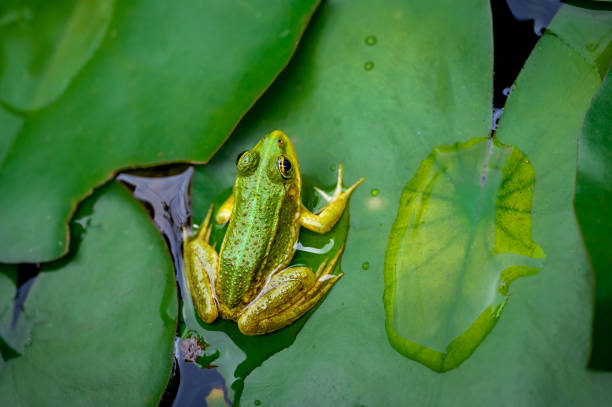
[593,204]
[462,235]
[165,84]
[104,319]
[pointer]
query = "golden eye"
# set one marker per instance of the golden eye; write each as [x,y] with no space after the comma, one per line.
[284,167]
[240,156]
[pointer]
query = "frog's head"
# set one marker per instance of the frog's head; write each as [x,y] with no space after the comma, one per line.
[273,156]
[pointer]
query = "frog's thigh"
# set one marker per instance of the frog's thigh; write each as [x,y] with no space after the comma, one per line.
[291,294]
[283,289]
[201,270]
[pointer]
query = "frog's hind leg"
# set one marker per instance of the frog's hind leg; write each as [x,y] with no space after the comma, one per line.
[201,264]
[287,296]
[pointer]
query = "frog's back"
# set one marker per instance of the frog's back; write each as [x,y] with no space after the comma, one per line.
[260,238]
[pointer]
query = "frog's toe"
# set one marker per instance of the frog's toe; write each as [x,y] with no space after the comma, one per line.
[338,190]
[206,226]
[323,194]
[350,189]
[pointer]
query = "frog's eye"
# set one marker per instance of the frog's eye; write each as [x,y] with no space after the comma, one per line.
[284,167]
[240,156]
[247,162]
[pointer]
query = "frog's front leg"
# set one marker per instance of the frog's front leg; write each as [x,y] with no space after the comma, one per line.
[288,295]
[225,210]
[327,218]
[201,264]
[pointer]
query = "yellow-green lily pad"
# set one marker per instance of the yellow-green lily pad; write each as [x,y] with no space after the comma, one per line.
[462,235]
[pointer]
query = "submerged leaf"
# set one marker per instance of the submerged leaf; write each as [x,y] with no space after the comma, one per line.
[452,253]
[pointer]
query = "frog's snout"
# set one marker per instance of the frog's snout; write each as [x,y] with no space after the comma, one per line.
[279,136]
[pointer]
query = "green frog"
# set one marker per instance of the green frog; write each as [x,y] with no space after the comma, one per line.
[248,281]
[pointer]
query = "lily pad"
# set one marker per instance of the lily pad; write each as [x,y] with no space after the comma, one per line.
[45,44]
[430,86]
[165,84]
[104,319]
[12,123]
[593,203]
[445,291]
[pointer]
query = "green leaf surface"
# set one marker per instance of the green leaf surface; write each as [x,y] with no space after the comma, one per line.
[593,204]
[462,235]
[380,107]
[45,44]
[586,32]
[165,84]
[12,123]
[104,320]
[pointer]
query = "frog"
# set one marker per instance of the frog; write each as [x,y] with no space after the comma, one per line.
[249,279]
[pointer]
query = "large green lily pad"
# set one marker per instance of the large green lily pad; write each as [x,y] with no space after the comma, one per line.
[104,319]
[593,203]
[165,84]
[45,44]
[378,88]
